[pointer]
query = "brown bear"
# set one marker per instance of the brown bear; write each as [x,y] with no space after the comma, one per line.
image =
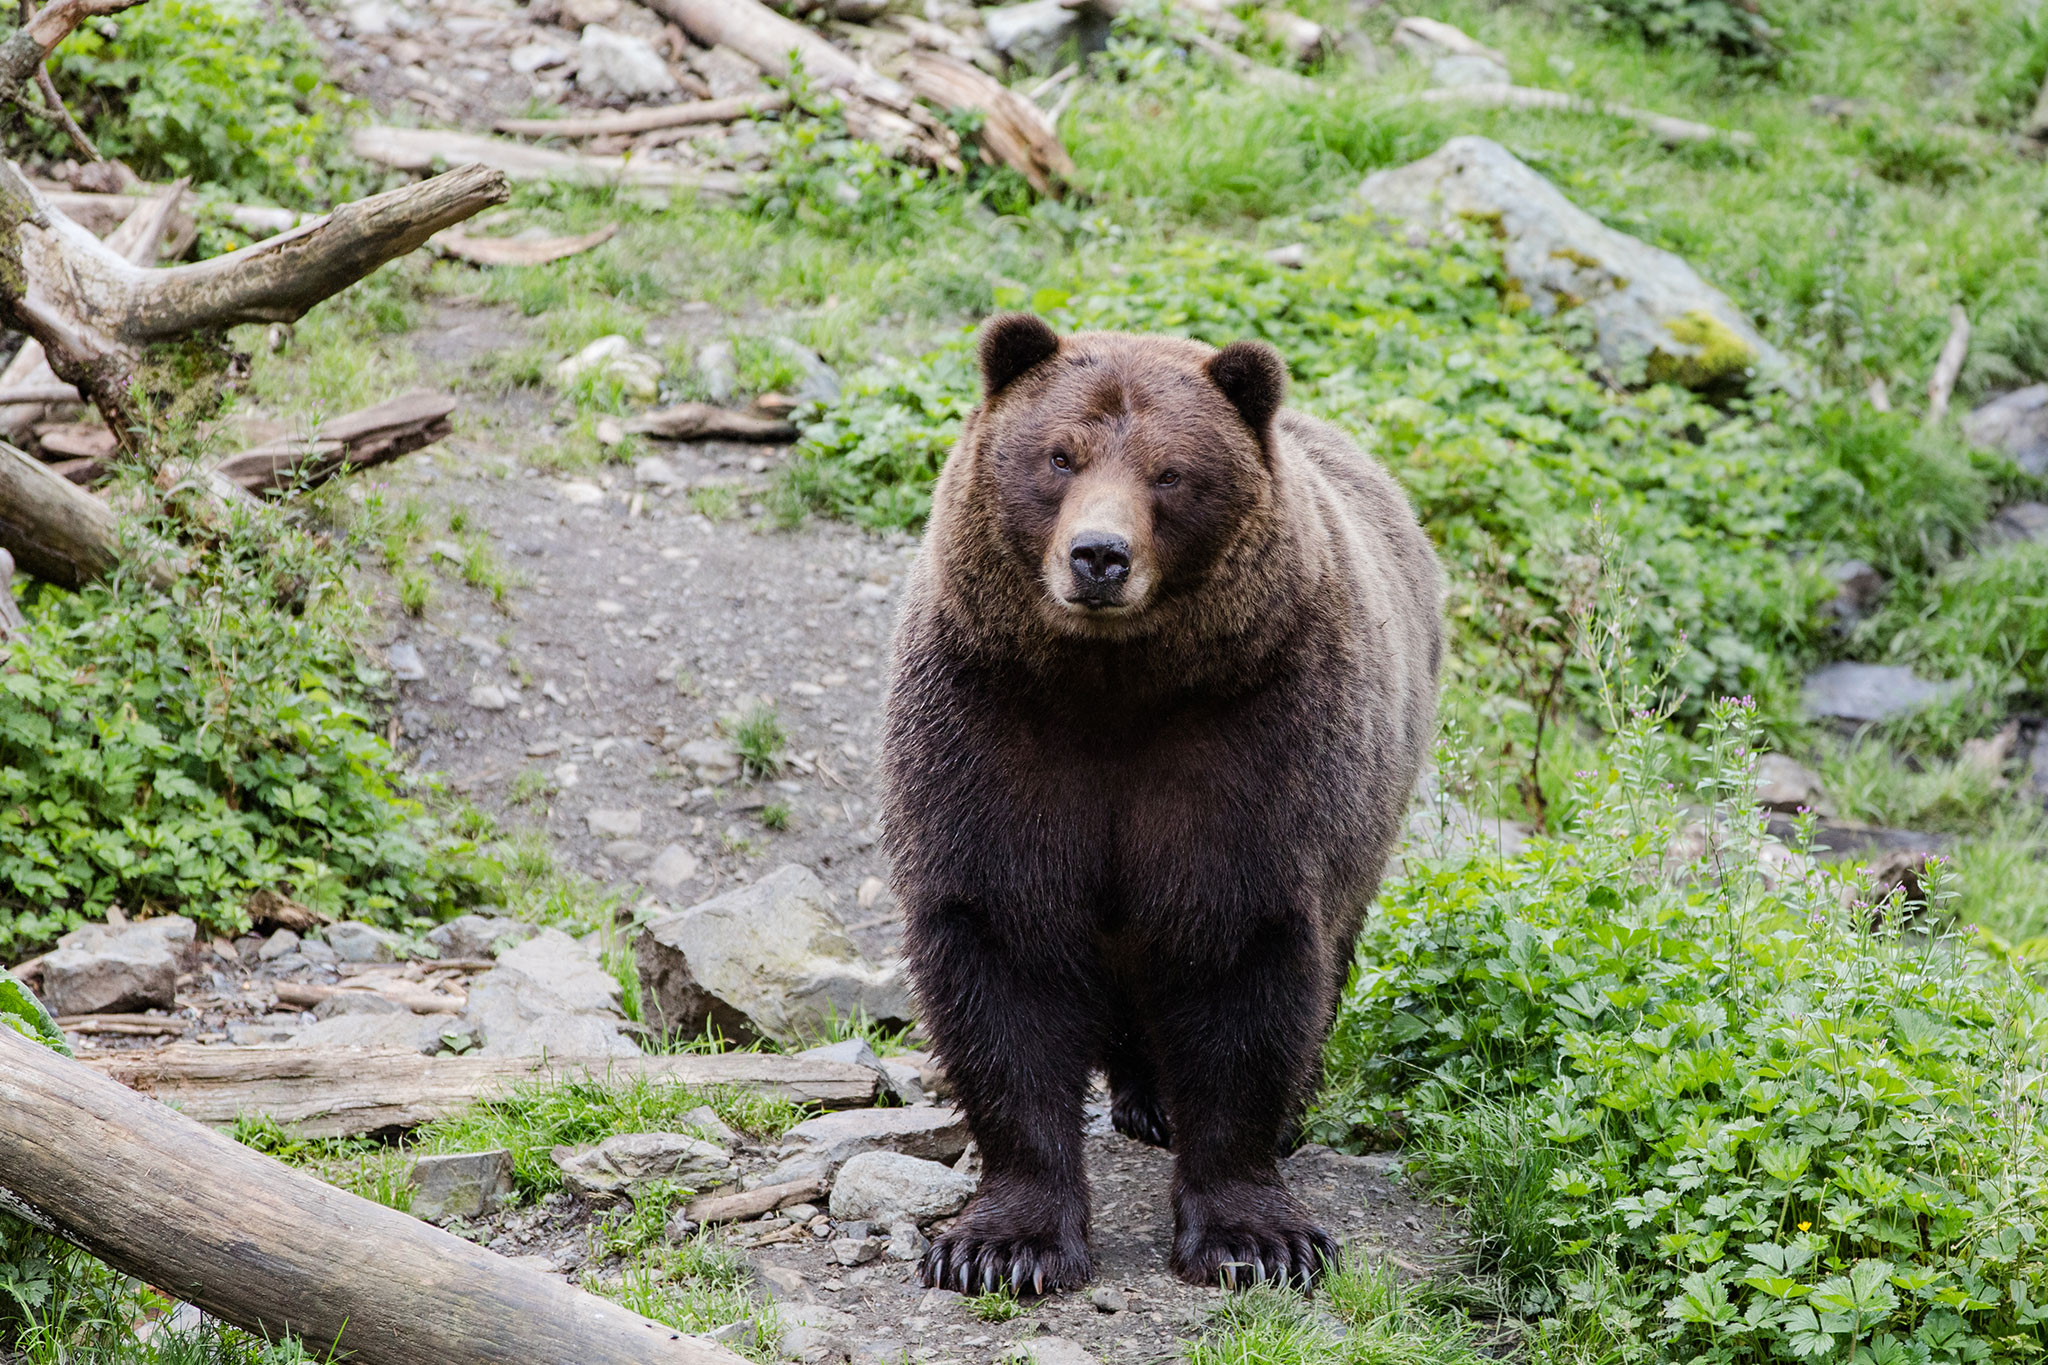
[1165,673]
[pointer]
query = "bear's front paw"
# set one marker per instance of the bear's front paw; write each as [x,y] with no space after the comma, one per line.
[981,1255]
[1251,1237]
[1139,1116]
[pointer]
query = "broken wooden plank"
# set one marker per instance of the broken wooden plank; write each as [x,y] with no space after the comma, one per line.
[422,149]
[262,1246]
[520,250]
[358,440]
[76,441]
[346,1092]
[727,110]
[704,422]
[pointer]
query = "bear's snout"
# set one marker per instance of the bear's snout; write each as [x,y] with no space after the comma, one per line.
[1101,562]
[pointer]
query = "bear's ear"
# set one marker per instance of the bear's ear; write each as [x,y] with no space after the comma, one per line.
[1012,343]
[1253,378]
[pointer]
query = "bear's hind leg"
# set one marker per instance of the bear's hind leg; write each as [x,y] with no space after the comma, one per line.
[1016,1037]
[1135,1108]
[1248,1041]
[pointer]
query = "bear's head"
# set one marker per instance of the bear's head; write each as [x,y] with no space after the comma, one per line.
[1120,470]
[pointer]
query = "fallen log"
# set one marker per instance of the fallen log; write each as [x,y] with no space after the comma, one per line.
[253,1242]
[1941,385]
[704,422]
[422,149]
[878,110]
[1014,131]
[489,251]
[56,530]
[647,120]
[347,1092]
[356,441]
[418,998]
[95,312]
[1494,96]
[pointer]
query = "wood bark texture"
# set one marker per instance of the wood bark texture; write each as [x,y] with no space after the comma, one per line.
[1014,131]
[356,441]
[878,110]
[94,311]
[706,422]
[257,1244]
[647,120]
[347,1092]
[54,529]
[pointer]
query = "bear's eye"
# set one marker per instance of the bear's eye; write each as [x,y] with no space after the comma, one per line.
[1060,461]
[1169,478]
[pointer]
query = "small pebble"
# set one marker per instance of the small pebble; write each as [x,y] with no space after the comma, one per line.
[1108,1300]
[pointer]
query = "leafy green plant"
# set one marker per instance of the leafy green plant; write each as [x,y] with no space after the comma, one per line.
[775,815]
[183,751]
[220,90]
[1739,1094]
[22,1012]
[998,1305]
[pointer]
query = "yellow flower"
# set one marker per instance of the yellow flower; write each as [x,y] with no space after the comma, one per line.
[1804,1226]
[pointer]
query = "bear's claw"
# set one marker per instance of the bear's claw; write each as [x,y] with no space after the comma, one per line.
[1238,1257]
[970,1264]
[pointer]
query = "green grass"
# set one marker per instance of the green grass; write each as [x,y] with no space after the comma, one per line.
[998,1305]
[760,738]
[1368,1316]
[532,1120]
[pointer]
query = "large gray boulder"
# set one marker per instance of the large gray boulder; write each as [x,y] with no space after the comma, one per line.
[880,1184]
[768,960]
[480,936]
[1649,308]
[108,968]
[1861,693]
[460,1184]
[836,1138]
[549,995]
[2016,424]
[622,1164]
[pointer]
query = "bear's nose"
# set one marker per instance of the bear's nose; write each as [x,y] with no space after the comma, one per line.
[1100,559]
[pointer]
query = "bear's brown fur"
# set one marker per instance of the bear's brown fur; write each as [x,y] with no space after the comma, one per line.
[1165,674]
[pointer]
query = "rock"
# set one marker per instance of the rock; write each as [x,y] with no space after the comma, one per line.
[654,471]
[548,995]
[580,14]
[608,823]
[905,1079]
[1301,38]
[850,1252]
[377,19]
[318,953]
[357,1002]
[277,945]
[856,1052]
[820,383]
[811,1344]
[2015,424]
[1048,1351]
[1033,33]
[1430,40]
[630,852]
[705,1123]
[2037,765]
[1293,256]
[488,697]
[671,867]
[1108,1300]
[354,941]
[1868,692]
[835,1138]
[109,968]
[877,1183]
[718,369]
[637,373]
[711,760]
[1455,71]
[402,1031]
[618,66]
[1857,588]
[906,1243]
[405,661]
[621,1164]
[2019,522]
[528,58]
[767,960]
[460,1185]
[1649,308]
[782,1282]
[1788,786]
[261,1033]
[581,492]
[480,936]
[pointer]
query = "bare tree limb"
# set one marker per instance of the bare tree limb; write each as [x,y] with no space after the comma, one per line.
[1941,386]
[29,46]
[1014,130]
[647,120]
[1667,128]
[53,106]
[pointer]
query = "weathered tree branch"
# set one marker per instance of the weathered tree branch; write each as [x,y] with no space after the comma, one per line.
[253,1242]
[1941,385]
[28,47]
[56,530]
[647,120]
